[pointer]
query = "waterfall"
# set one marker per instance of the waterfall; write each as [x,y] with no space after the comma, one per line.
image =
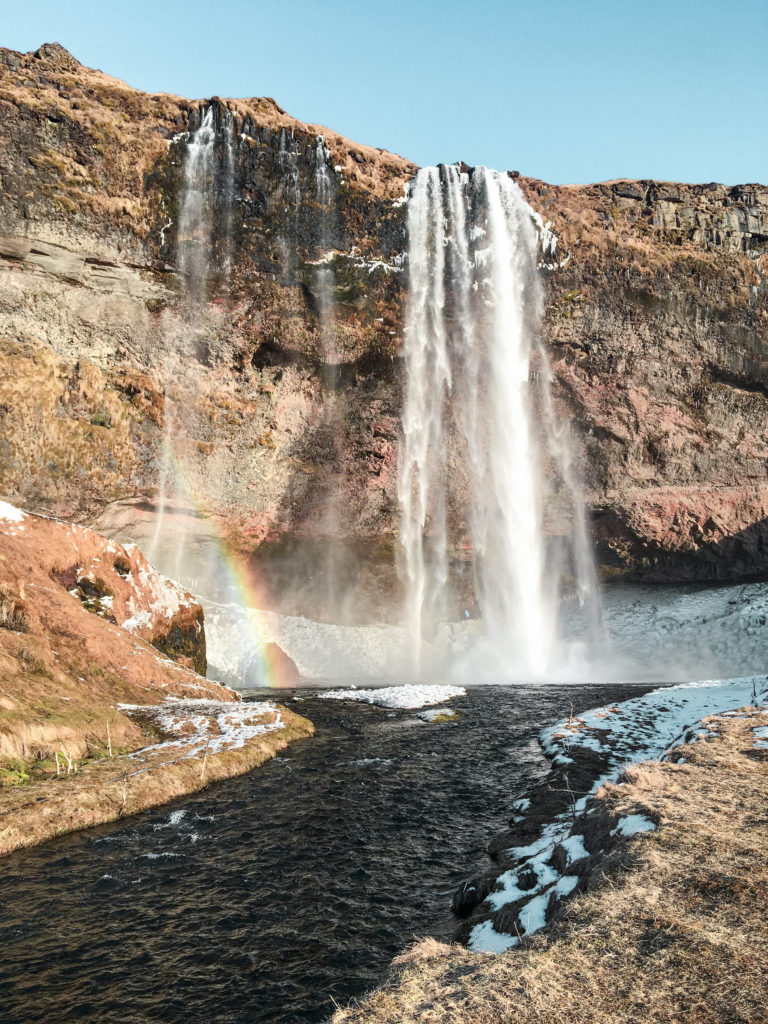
[333,430]
[206,203]
[324,275]
[483,449]
[195,215]
[288,240]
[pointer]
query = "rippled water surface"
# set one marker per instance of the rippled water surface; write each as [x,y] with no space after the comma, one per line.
[266,897]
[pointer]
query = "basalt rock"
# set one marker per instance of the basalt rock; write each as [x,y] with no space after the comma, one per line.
[655,322]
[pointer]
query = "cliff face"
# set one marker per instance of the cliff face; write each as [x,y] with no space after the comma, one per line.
[79,618]
[657,331]
[286,417]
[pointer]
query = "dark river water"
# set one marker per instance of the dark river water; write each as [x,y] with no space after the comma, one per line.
[266,897]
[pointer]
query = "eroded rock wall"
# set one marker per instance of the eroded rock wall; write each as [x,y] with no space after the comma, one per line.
[286,428]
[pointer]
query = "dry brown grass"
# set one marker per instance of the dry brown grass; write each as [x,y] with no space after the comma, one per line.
[13,611]
[674,932]
[111,788]
[125,131]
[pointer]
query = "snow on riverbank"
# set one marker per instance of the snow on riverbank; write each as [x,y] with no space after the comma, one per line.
[205,726]
[643,728]
[402,697]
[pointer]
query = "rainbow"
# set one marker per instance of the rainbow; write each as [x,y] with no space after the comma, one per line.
[238,572]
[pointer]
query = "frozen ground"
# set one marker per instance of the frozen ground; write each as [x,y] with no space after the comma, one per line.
[639,729]
[669,634]
[675,633]
[196,727]
[643,728]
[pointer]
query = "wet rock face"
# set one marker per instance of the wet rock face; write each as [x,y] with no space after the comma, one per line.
[655,321]
[657,332]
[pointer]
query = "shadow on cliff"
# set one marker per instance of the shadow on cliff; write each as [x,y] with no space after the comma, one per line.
[705,558]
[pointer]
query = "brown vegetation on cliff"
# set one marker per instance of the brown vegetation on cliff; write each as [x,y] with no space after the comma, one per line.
[672,933]
[82,620]
[655,322]
[117,135]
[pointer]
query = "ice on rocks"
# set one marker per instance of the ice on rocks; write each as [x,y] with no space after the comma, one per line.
[642,728]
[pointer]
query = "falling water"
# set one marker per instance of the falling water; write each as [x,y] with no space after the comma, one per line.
[195,217]
[333,429]
[206,197]
[483,447]
[288,240]
[228,191]
[324,275]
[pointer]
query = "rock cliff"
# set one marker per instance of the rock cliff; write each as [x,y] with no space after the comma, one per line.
[94,722]
[79,618]
[286,418]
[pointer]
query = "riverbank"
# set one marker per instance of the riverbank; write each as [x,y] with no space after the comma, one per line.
[669,925]
[198,742]
[104,706]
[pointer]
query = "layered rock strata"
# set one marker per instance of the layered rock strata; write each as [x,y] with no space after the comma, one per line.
[655,322]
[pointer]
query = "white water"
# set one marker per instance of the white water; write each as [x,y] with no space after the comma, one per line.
[324,275]
[195,215]
[198,204]
[482,444]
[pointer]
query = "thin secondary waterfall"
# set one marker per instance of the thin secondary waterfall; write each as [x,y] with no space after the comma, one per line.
[206,199]
[324,275]
[195,217]
[481,438]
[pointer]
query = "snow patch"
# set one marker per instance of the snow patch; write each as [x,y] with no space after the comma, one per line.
[574,849]
[139,620]
[206,726]
[642,728]
[11,514]
[632,824]
[485,939]
[407,697]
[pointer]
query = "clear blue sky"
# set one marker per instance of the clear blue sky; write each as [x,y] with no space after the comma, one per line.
[566,91]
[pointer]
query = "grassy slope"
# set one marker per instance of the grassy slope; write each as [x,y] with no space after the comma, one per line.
[106,789]
[674,930]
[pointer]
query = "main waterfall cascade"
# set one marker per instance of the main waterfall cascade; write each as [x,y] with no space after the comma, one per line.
[487,468]
[484,454]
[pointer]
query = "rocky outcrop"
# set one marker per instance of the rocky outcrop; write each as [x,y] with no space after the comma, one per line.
[81,623]
[112,582]
[94,722]
[287,429]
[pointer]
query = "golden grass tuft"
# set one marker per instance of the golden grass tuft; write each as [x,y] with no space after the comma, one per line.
[13,611]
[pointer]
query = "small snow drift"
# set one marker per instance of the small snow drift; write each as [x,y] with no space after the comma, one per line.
[554,859]
[197,727]
[402,697]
